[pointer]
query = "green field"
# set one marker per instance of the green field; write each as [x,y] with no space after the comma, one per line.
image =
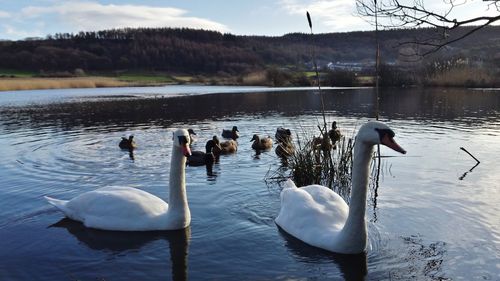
[146,78]
[16,73]
[310,74]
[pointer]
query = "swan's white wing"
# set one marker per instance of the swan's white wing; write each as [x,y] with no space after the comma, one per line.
[117,208]
[314,214]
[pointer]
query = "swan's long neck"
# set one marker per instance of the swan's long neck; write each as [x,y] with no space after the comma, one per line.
[353,236]
[178,209]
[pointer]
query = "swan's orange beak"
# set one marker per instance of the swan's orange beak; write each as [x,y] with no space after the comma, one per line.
[389,142]
[186,150]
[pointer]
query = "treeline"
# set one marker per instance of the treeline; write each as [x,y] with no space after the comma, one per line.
[182,50]
[209,52]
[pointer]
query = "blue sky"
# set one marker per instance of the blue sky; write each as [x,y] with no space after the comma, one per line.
[37,18]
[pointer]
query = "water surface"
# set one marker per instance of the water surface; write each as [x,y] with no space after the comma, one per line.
[433,218]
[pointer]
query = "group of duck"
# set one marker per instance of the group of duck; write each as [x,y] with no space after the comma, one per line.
[214,147]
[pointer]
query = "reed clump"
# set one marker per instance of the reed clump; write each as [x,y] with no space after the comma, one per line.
[464,77]
[316,160]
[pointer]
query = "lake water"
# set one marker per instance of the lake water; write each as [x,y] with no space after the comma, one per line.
[434,217]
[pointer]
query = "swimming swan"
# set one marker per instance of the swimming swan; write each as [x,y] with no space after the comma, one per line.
[320,217]
[132,209]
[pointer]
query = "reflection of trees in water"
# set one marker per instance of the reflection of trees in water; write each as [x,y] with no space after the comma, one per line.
[117,242]
[420,104]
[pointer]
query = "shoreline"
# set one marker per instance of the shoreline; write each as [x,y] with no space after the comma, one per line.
[46,83]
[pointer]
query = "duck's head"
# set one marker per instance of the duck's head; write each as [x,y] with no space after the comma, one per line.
[235,129]
[211,144]
[283,135]
[255,138]
[375,132]
[181,140]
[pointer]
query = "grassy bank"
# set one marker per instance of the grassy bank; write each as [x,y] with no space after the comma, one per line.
[272,77]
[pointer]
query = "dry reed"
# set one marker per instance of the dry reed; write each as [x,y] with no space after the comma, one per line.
[316,162]
[460,77]
[14,84]
[255,79]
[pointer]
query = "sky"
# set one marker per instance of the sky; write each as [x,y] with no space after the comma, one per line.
[20,19]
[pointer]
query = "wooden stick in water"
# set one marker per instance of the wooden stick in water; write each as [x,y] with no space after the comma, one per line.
[470,154]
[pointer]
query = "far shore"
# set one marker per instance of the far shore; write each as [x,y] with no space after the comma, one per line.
[39,83]
[42,83]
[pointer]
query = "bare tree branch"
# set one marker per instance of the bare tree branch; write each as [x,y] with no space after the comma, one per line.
[414,14]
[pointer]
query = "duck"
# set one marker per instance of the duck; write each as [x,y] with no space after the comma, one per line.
[285,146]
[225,147]
[192,135]
[231,134]
[121,208]
[318,216]
[285,149]
[200,158]
[321,144]
[283,135]
[334,134]
[261,144]
[127,143]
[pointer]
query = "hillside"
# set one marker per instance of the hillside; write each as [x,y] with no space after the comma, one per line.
[199,51]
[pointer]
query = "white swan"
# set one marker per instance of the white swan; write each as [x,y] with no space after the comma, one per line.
[320,217]
[131,209]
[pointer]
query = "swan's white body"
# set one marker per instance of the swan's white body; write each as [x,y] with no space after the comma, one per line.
[132,209]
[320,217]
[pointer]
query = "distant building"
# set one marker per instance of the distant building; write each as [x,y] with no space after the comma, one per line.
[351,66]
[33,39]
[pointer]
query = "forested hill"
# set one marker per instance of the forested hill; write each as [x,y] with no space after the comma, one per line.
[201,51]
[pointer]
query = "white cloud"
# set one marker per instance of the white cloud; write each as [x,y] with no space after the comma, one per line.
[87,16]
[328,16]
[13,32]
[4,14]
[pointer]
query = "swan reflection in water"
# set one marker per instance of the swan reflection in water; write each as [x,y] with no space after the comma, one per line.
[120,241]
[352,267]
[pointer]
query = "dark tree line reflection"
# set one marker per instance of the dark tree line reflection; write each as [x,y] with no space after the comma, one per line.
[426,105]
